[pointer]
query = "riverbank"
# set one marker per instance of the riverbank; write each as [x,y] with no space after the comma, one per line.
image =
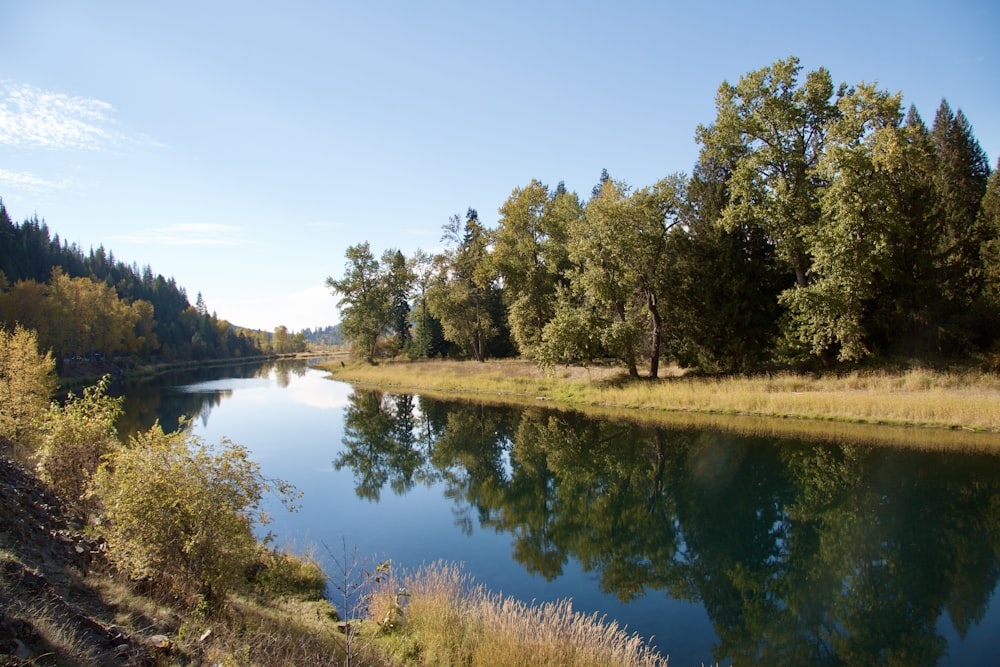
[950,408]
[61,603]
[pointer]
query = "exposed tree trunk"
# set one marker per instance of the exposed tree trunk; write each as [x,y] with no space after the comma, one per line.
[657,335]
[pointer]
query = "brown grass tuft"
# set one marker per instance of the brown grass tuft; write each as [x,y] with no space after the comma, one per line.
[449,620]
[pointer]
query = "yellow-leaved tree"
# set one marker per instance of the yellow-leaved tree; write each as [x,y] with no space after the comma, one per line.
[27,380]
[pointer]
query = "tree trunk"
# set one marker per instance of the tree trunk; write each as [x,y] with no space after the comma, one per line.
[657,335]
[799,264]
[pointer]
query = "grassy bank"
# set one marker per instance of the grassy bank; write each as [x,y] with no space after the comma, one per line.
[950,407]
[446,619]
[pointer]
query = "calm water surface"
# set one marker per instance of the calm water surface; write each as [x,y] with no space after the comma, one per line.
[723,548]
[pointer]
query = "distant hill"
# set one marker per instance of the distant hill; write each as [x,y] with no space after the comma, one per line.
[326,336]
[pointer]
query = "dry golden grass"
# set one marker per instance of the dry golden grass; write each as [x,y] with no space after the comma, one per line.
[964,401]
[450,621]
[287,624]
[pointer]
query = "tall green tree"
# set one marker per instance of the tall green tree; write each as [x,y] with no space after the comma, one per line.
[960,182]
[961,176]
[722,300]
[428,335]
[364,300]
[619,247]
[989,298]
[529,254]
[868,158]
[774,131]
[908,288]
[464,294]
[399,279]
[606,275]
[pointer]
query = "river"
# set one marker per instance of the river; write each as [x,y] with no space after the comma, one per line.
[721,548]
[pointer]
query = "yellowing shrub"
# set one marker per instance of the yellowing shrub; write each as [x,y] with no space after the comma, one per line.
[75,436]
[183,513]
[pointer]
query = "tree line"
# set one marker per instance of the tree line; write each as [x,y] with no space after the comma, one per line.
[90,305]
[821,224]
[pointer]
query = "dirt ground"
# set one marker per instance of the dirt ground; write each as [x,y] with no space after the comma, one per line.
[46,602]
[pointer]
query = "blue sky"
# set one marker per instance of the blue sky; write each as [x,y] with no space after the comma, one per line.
[242,146]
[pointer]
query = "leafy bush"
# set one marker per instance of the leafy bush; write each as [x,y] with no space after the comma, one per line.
[182,513]
[287,574]
[27,380]
[74,438]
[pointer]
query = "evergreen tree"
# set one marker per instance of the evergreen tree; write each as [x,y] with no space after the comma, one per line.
[722,301]
[960,183]
[199,305]
[399,279]
[987,324]
[464,296]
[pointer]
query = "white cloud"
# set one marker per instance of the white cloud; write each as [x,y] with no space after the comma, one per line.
[183,234]
[23,180]
[35,118]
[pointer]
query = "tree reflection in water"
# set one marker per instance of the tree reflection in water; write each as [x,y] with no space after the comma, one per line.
[146,402]
[801,553]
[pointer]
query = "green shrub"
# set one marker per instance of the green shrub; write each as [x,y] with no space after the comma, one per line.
[286,574]
[74,438]
[182,513]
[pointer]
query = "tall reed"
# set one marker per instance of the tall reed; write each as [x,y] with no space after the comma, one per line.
[450,620]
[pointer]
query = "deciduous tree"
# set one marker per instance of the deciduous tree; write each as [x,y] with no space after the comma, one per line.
[27,380]
[619,248]
[530,256]
[774,131]
[364,299]
[868,155]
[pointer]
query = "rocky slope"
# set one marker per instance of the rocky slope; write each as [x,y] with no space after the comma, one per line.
[50,610]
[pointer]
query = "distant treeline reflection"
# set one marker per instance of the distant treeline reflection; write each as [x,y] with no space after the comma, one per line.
[801,553]
[146,401]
